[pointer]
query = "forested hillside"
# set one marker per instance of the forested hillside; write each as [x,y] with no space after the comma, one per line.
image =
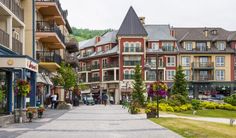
[83,34]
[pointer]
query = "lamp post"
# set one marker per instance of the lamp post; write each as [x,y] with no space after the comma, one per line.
[148,67]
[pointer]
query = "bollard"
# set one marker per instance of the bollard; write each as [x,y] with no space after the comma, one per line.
[231,122]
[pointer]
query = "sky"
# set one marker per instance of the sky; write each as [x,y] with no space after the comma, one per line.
[105,14]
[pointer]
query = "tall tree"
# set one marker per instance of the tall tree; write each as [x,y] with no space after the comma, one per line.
[180,83]
[68,75]
[138,87]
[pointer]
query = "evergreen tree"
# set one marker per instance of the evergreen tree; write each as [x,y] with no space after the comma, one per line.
[138,87]
[180,83]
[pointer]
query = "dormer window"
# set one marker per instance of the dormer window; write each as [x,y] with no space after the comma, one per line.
[214,32]
[155,46]
[99,49]
[189,46]
[220,45]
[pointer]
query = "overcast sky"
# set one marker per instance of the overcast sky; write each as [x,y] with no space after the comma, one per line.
[104,14]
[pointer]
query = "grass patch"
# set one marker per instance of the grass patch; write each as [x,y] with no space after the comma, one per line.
[197,129]
[210,113]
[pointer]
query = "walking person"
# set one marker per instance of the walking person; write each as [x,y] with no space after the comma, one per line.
[54,100]
[104,99]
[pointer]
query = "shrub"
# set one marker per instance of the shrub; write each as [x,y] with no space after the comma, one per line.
[229,107]
[176,109]
[231,99]
[177,100]
[165,107]
[196,104]
[151,107]
[209,105]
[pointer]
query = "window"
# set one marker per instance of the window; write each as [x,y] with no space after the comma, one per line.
[220,75]
[185,61]
[107,47]
[132,60]
[151,75]
[171,61]
[204,75]
[201,46]
[170,74]
[99,49]
[220,45]
[126,72]
[104,62]
[220,61]
[155,46]
[187,74]
[189,46]
[168,46]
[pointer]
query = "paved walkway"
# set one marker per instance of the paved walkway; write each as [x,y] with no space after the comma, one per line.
[96,122]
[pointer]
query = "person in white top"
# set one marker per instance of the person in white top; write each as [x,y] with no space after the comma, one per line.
[54,100]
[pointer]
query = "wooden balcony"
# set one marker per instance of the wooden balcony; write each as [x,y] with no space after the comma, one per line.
[17,46]
[4,38]
[52,9]
[14,7]
[48,32]
[111,65]
[203,65]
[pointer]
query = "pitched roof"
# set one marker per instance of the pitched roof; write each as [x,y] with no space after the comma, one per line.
[87,43]
[159,32]
[131,25]
[198,34]
[109,37]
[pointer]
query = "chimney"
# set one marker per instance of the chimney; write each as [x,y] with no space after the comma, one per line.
[172,31]
[142,20]
[205,32]
[98,38]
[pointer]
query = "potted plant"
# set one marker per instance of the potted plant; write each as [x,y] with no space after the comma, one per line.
[151,109]
[30,113]
[41,109]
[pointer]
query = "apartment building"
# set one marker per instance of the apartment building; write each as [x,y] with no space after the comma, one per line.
[16,55]
[207,58]
[207,55]
[52,31]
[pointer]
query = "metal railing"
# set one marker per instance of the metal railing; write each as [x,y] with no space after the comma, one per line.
[111,65]
[63,13]
[14,7]
[43,26]
[132,63]
[87,54]
[17,46]
[48,56]
[109,78]
[203,64]
[87,68]
[96,66]
[128,76]
[135,49]
[94,79]
[168,48]
[4,38]
[203,77]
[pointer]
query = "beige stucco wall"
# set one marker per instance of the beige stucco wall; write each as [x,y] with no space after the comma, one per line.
[28,19]
[227,66]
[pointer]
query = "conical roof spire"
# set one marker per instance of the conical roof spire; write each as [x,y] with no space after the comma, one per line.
[131,25]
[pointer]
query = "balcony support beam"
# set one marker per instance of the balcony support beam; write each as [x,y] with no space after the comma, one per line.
[114,74]
[9,30]
[86,77]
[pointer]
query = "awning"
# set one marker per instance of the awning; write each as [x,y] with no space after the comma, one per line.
[49,82]
[40,79]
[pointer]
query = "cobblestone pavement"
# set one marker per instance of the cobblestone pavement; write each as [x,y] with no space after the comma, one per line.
[93,122]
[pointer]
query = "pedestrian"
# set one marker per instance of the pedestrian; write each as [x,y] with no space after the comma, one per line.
[54,100]
[111,100]
[104,99]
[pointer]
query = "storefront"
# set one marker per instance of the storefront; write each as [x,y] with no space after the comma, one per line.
[12,68]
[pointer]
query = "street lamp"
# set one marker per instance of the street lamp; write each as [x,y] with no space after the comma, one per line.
[148,67]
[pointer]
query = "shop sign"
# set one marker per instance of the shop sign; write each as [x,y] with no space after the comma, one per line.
[18,62]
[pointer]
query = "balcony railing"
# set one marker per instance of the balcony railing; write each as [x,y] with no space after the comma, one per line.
[87,54]
[14,7]
[168,48]
[128,76]
[4,38]
[94,79]
[17,46]
[58,5]
[132,63]
[203,64]
[201,48]
[96,66]
[203,78]
[43,26]
[135,49]
[109,78]
[153,65]
[82,79]
[87,68]
[48,56]
[111,65]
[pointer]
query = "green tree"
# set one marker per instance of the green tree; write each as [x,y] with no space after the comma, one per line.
[138,87]
[68,75]
[180,83]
